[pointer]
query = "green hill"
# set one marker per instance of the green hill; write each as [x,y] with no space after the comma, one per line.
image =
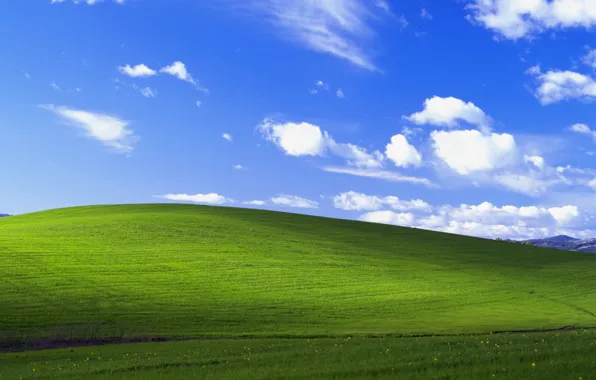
[194,271]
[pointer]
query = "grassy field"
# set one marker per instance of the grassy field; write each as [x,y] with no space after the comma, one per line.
[182,271]
[570,355]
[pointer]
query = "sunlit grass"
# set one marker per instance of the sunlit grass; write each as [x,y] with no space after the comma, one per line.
[182,271]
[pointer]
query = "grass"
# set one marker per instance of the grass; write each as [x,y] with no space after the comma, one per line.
[570,355]
[182,271]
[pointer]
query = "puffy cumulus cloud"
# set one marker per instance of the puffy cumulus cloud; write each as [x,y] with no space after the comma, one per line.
[353,201]
[470,151]
[449,112]
[488,220]
[211,198]
[305,139]
[482,220]
[517,19]
[227,136]
[140,70]
[556,85]
[402,153]
[336,27]
[294,201]
[112,131]
[564,215]
[296,139]
[388,217]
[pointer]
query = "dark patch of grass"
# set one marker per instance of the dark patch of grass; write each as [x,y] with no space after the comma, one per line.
[568,355]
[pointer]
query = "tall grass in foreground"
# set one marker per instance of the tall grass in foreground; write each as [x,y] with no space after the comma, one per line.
[568,355]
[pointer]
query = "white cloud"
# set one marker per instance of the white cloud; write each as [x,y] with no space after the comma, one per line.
[148,92]
[199,103]
[583,129]
[294,201]
[564,215]
[322,85]
[227,136]
[407,131]
[402,153]
[424,13]
[403,22]
[355,155]
[178,69]
[305,139]
[353,201]
[482,220]
[379,174]
[88,2]
[340,94]
[211,198]
[238,167]
[517,19]
[590,58]
[523,183]
[592,183]
[139,70]
[470,151]
[296,139]
[313,91]
[537,161]
[27,76]
[388,217]
[448,112]
[555,86]
[384,5]
[336,27]
[488,220]
[110,130]
[54,86]
[255,203]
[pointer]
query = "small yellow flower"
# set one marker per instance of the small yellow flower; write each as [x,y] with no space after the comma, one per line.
[533,364]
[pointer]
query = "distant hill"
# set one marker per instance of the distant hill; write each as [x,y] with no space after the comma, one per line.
[3,215]
[563,242]
[196,271]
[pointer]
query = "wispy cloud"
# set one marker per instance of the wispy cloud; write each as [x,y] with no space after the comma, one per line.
[340,93]
[110,130]
[54,86]
[337,27]
[88,2]
[211,198]
[294,201]
[227,136]
[178,69]
[424,13]
[255,203]
[380,174]
[146,91]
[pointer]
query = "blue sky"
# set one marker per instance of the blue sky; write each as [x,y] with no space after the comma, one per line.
[474,117]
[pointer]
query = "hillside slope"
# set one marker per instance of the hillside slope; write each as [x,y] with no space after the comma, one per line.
[191,271]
